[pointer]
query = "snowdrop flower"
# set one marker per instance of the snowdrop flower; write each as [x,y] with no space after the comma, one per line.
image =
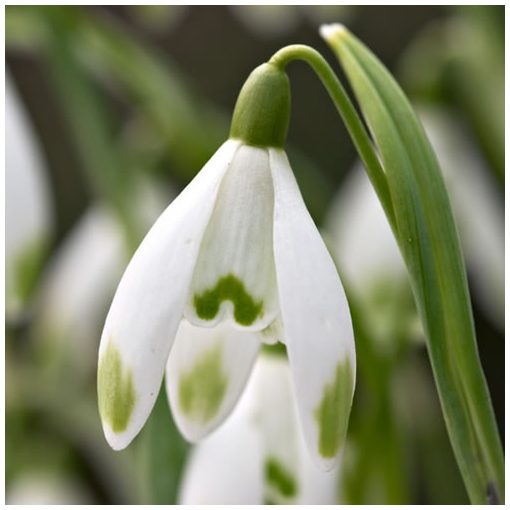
[235,260]
[258,456]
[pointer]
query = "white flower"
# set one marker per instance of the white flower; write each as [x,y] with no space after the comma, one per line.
[258,455]
[235,260]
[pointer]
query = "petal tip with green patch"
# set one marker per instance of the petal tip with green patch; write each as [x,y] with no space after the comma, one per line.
[202,387]
[332,414]
[206,373]
[116,396]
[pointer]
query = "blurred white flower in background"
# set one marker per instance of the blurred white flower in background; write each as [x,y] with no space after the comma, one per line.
[29,219]
[259,455]
[43,488]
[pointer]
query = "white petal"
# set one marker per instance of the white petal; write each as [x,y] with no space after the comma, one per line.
[147,307]
[234,279]
[226,467]
[316,319]
[207,371]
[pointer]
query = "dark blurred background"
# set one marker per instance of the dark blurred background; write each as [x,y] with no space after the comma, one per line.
[124,106]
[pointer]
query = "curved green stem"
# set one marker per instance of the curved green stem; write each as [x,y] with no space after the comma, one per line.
[348,113]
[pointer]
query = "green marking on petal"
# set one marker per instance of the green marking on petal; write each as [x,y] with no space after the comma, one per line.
[115,389]
[201,390]
[333,412]
[279,477]
[230,288]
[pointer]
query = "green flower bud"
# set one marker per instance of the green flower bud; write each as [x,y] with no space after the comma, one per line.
[261,115]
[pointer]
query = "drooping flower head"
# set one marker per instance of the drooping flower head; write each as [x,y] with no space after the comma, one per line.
[234,261]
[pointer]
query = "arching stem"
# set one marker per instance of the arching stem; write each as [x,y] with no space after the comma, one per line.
[348,113]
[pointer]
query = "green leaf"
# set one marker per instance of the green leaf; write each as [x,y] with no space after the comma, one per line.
[428,240]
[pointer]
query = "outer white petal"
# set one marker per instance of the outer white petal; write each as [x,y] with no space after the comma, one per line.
[207,371]
[226,467]
[316,319]
[147,307]
[234,279]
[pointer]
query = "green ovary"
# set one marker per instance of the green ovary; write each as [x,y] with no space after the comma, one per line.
[115,390]
[279,477]
[332,415]
[201,390]
[230,288]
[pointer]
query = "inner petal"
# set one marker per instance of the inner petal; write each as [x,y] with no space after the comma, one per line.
[234,278]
